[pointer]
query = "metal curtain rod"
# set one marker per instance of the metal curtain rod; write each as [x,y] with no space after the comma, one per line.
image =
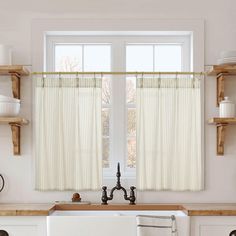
[118,73]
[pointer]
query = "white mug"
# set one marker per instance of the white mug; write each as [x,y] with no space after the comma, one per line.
[5,55]
[227,108]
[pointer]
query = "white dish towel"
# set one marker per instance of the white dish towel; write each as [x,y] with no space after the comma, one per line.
[156,225]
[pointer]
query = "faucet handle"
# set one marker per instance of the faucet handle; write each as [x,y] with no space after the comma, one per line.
[104,188]
[132,197]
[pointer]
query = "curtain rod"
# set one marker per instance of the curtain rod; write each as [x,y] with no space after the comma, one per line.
[118,73]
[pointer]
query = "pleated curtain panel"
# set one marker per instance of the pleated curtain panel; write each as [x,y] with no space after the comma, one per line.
[169,134]
[68,134]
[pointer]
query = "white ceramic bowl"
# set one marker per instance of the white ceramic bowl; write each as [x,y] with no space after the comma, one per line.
[227,53]
[226,61]
[9,108]
[8,99]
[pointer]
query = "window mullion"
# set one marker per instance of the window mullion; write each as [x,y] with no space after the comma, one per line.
[154,61]
[82,57]
[118,106]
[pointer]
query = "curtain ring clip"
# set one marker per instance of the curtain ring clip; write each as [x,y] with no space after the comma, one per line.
[176,80]
[43,79]
[94,79]
[194,79]
[159,80]
[142,79]
[77,79]
[60,85]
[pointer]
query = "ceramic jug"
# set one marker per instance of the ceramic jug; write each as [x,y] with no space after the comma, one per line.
[227,108]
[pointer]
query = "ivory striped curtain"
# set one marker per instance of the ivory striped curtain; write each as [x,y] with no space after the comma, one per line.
[68,143]
[169,134]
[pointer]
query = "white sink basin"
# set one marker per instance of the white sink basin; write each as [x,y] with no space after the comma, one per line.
[106,223]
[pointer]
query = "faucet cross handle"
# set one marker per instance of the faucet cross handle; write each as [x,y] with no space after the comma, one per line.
[104,195]
[132,197]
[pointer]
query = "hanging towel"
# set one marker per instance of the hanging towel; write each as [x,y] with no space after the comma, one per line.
[156,225]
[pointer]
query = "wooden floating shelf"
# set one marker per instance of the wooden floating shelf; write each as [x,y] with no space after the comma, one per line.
[221,71]
[15,71]
[17,120]
[221,124]
[219,120]
[15,123]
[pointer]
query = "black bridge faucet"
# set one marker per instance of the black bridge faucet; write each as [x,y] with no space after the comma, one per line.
[118,186]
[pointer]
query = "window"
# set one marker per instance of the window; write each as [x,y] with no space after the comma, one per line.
[118,53]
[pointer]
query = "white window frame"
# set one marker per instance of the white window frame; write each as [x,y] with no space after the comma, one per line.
[118,106]
[41,28]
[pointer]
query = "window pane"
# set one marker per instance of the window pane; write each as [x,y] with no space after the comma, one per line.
[131,161]
[97,58]
[139,58]
[106,151]
[105,121]
[68,57]
[106,90]
[131,123]
[168,58]
[131,90]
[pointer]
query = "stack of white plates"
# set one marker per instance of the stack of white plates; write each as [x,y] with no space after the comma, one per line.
[227,58]
[9,106]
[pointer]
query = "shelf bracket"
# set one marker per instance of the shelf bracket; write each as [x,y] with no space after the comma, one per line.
[221,128]
[220,88]
[15,128]
[15,78]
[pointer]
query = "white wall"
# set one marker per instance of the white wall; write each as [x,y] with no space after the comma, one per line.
[220,34]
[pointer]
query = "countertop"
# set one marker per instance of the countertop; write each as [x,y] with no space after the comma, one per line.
[205,209]
[210,209]
[26,209]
